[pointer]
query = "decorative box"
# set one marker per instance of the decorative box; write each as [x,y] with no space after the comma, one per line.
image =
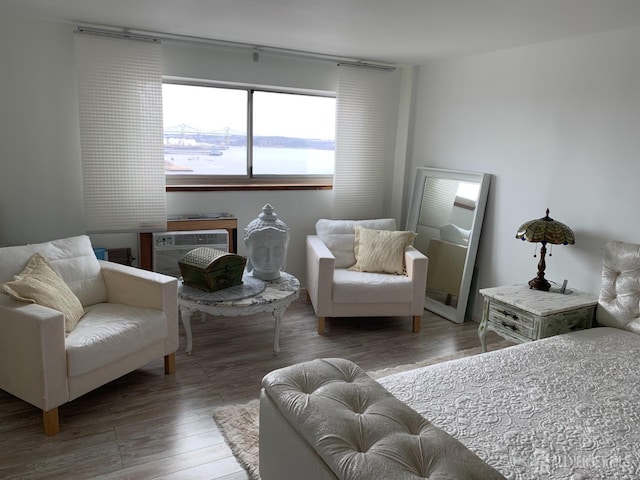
[210,270]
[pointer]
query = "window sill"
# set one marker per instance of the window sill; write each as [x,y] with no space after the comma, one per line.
[227,187]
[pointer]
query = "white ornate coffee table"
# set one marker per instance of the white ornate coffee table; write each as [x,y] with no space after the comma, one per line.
[253,296]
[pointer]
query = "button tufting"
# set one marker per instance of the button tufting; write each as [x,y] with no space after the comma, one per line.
[361,431]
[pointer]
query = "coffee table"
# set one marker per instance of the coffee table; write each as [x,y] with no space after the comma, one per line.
[253,296]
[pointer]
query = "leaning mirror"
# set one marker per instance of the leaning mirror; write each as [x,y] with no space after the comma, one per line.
[446,211]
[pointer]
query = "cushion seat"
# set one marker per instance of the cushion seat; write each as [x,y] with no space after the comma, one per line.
[98,341]
[366,287]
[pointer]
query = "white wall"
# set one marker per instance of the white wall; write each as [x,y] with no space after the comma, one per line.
[40,173]
[557,126]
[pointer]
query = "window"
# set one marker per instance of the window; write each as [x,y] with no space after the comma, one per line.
[216,135]
[467,195]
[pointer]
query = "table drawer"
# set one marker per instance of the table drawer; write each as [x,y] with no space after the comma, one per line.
[504,317]
[567,322]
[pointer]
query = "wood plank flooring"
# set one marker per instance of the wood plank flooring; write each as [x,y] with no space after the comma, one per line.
[147,425]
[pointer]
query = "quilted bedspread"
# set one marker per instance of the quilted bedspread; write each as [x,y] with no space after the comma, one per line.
[566,407]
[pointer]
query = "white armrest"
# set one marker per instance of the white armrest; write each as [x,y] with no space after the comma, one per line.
[32,353]
[145,289]
[417,264]
[320,266]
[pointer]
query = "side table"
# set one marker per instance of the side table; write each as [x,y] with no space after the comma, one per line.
[521,314]
[253,296]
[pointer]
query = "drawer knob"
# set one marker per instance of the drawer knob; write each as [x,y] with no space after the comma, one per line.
[507,313]
[508,325]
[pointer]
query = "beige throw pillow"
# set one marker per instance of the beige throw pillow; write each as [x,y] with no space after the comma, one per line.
[380,251]
[38,283]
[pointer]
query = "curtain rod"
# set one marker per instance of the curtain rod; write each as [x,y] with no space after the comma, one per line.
[115,34]
[142,35]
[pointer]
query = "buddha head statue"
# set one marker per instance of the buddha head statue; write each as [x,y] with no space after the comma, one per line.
[266,239]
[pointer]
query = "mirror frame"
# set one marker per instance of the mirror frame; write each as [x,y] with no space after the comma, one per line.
[455,314]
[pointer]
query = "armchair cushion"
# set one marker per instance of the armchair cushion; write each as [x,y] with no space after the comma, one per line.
[363,287]
[380,251]
[339,236]
[98,340]
[38,283]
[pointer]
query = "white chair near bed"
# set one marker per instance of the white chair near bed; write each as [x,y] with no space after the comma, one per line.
[365,268]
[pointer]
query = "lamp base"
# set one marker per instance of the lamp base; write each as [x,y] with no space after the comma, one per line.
[539,283]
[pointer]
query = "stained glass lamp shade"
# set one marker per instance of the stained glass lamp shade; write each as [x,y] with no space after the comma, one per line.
[544,230]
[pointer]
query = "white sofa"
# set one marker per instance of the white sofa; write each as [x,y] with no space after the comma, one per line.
[337,291]
[130,318]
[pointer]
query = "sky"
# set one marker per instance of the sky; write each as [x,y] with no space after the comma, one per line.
[210,108]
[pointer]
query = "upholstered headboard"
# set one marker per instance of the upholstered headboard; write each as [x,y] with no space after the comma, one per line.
[619,302]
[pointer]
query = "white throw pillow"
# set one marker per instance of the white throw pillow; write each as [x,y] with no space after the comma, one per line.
[381,251]
[38,283]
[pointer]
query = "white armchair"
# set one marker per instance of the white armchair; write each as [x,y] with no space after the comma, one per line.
[130,318]
[336,291]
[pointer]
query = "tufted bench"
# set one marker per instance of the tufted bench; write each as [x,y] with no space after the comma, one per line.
[327,419]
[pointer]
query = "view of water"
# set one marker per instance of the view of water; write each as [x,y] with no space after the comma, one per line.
[266,160]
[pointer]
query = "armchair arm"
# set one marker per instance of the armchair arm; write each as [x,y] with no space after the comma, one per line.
[417,264]
[320,267]
[142,288]
[33,360]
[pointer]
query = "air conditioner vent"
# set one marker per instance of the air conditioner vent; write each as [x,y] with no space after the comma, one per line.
[201,239]
[170,247]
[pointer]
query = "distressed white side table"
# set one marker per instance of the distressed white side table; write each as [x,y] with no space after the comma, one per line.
[253,296]
[521,314]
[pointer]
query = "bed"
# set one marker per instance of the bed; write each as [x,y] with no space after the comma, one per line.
[566,407]
[563,407]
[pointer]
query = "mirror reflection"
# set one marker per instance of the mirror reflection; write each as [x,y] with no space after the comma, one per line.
[446,211]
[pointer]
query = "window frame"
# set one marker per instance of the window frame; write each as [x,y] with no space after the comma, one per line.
[249,181]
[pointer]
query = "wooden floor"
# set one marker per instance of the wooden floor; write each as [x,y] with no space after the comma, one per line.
[147,425]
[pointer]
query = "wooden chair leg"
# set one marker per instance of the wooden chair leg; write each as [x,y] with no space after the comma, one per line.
[170,364]
[51,422]
[320,325]
[416,323]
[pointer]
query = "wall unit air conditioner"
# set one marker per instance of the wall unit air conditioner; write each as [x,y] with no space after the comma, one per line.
[169,247]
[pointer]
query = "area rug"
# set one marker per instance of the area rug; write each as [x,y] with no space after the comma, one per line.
[239,423]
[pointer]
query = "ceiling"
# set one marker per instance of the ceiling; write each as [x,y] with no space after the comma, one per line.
[388,31]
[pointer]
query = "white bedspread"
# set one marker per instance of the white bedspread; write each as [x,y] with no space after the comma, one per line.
[567,407]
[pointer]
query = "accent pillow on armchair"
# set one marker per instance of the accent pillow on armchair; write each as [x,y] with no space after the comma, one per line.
[380,251]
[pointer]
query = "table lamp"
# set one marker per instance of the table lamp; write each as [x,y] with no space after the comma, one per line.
[544,230]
